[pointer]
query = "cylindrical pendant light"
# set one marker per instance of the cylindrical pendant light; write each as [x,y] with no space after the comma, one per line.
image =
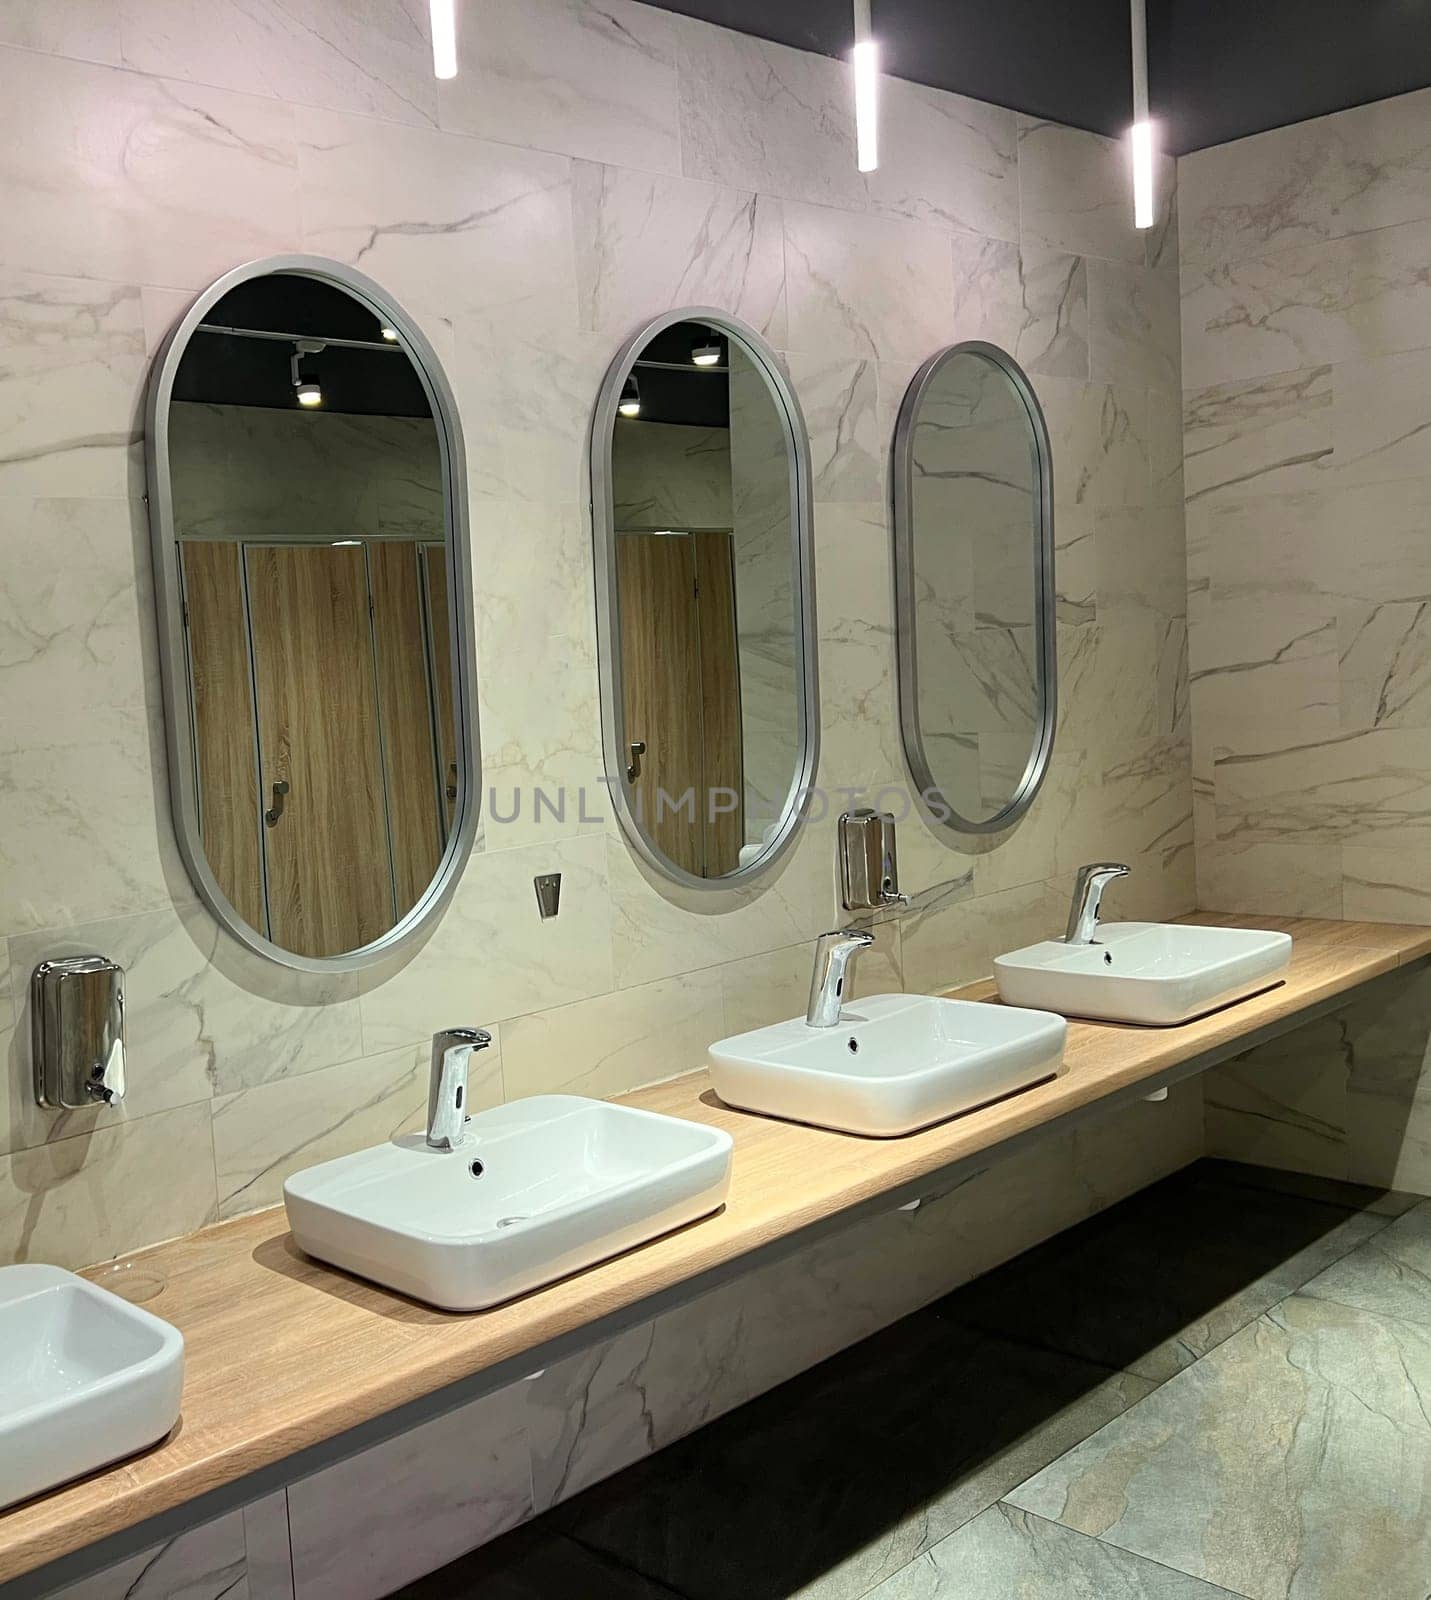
[444,37]
[1142,133]
[864,62]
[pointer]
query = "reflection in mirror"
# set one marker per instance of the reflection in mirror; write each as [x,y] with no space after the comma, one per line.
[974,582]
[305,491]
[703,557]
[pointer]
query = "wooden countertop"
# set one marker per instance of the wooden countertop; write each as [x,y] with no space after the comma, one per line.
[283,1353]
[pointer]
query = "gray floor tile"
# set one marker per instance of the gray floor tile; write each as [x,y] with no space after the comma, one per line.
[1389,1274]
[1167,1275]
[1294,1460]
[831,1483]
[1008,1554]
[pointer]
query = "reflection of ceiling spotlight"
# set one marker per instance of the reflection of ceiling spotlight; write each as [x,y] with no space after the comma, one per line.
[706,352]
[305,372]
[629,405]
[390,334]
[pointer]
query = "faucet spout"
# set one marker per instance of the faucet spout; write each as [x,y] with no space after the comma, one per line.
[1088,898]
[833,954]
[447,1087]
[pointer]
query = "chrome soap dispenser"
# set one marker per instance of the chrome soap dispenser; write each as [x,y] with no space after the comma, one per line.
[77,1032]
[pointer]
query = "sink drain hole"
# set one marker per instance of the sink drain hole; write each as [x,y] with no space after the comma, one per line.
[506,1222]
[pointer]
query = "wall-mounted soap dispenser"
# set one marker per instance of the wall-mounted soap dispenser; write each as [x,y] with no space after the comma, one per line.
[869,866]
[77,1032]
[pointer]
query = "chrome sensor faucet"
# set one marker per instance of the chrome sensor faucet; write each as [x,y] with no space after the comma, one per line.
[1088,897]
[833,954]
[447,1087]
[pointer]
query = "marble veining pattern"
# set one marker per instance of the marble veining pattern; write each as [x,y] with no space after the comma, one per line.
[593,164]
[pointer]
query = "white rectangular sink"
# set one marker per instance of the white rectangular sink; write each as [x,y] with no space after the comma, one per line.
[895,1063]
[1155,973]
[85,1379]
[538,1189]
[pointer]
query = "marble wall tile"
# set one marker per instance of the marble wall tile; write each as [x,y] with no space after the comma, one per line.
[759,116]
[74,363]
[647,243]
[80,628]
[1274,877]
[492,957]
[204,1017]
[460,1479]
[1133,329]
[1139,562]
[372,57]
[1358,788]
[526,405]
[1386,885]
[1301,307]
[1098,433]
[588,80]
[1354,171]
[90,1197]
[1264,435]
[264,1134]
[867,286]
[592,1414]
[839,401]
[1381,418]
[1285,1103]
[88,29]
[859,747]
[1075,193]
[955,940]
[459,226]
[64,857]
[946,159]
[615,1042]
[1033,302]
[141,180]
[659,929]
[209,1562]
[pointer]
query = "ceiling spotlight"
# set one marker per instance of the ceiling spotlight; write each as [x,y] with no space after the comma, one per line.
[1141,136]
[706,352]
[305,372]
[443,14]
[629,405]
[864,60]
[390,334]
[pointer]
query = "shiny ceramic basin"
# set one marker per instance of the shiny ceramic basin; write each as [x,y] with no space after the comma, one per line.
[895,1063]
[1156,973]
[539,1188]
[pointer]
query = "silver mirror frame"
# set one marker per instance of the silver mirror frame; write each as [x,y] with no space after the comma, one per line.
[906,648]
[178,717]
[608,618]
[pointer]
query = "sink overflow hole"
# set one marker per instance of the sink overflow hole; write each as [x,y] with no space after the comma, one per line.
[853,1045]
[476,1169]
[1107,958]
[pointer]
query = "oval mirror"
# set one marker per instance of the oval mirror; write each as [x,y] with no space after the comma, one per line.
[307,509]
[705,615]
[974,594]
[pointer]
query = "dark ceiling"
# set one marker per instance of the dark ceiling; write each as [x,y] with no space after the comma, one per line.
[1218,69]
[240,370]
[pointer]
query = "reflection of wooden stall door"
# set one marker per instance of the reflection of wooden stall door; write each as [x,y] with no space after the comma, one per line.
[406,710]
[223,723]
[434,558]
[721,748]
[329,875]
[681,692]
